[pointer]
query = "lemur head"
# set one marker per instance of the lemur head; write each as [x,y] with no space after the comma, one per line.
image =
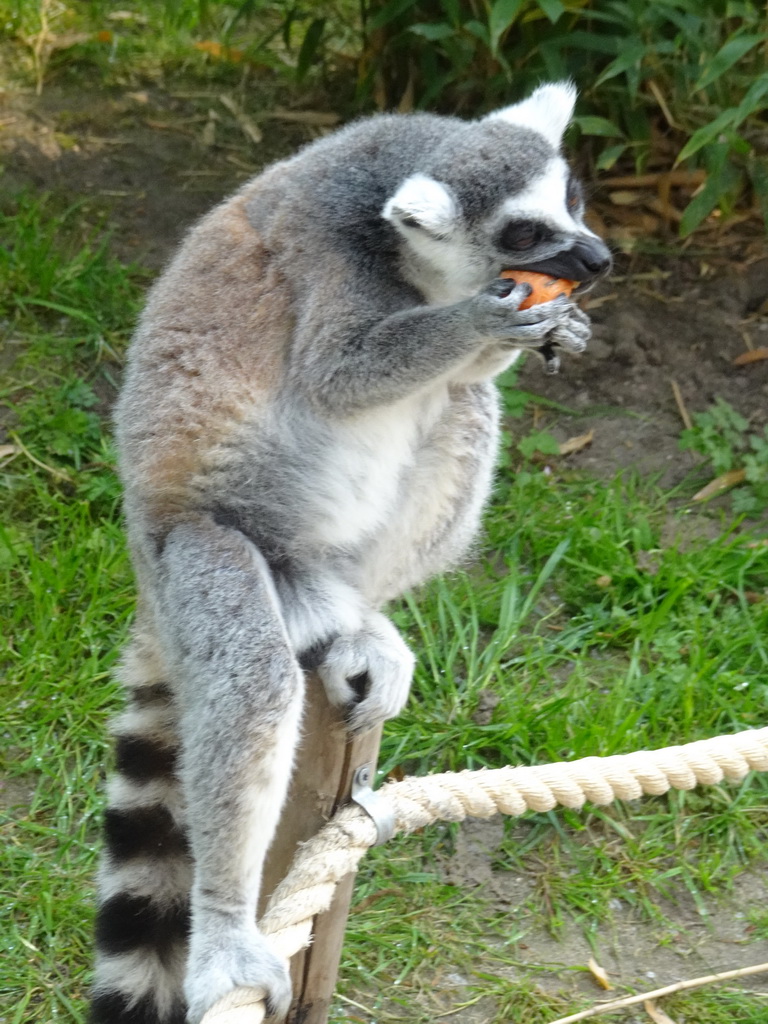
[498,195]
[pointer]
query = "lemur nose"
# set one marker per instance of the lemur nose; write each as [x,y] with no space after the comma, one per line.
[593,255]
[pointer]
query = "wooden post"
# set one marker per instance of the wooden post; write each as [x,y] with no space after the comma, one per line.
[326,761]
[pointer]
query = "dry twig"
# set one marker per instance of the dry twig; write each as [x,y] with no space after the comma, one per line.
[678,986]
[651,180]
[684,414]
[57,473]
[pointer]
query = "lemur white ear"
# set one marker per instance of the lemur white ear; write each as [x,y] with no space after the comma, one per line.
[548,111]
[421,203]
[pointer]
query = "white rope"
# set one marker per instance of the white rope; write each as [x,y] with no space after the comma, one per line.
[308,888]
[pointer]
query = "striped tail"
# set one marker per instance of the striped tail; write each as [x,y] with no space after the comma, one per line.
[146,872]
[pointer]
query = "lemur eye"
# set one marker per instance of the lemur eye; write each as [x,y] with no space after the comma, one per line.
[521,234]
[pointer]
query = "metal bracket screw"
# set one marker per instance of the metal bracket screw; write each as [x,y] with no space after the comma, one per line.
[376,806]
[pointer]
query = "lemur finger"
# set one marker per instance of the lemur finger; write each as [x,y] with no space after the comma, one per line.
[526,334]
[341,671]
[360,686]
[368,673]
[552,310]
[577,313]
[569,342]
[504,288]
[502,319]
[374,710]
[548,353]
[572,335]
[389,679]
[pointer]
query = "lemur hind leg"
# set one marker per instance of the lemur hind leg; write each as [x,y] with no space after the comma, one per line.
[243,691]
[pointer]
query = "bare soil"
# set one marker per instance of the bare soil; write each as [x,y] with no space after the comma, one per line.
[686,938]
[152,162]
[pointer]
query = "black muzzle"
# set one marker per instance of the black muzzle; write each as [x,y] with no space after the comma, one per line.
[586,261]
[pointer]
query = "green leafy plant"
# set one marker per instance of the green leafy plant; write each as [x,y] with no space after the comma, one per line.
[67,309]
[60,423]
[737,455]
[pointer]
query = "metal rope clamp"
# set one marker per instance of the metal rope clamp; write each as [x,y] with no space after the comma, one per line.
[375,805]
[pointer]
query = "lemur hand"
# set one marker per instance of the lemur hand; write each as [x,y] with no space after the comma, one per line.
[368,673]
[495,313]
[573,332]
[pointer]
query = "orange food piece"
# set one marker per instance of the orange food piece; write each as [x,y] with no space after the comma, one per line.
[545,287]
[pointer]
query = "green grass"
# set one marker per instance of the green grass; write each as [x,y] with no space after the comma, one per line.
[66,593]
[114,48]
[587,628]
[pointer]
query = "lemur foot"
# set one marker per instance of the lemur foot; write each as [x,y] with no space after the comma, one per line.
[229,957]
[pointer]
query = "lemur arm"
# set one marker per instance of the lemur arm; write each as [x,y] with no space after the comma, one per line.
[357,358]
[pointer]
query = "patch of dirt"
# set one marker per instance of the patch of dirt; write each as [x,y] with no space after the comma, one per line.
[648,333]
[147,159]
[15,793]
[688,939]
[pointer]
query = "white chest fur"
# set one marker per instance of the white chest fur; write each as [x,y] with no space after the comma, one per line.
[361,468]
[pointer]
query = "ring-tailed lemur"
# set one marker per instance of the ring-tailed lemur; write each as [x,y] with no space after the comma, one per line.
[307,427]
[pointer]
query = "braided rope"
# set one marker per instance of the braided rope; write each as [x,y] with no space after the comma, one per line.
[337,849]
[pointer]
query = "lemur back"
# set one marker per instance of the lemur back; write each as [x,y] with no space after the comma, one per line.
[307,427]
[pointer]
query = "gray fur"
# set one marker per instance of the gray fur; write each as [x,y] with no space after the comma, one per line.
[308,427]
